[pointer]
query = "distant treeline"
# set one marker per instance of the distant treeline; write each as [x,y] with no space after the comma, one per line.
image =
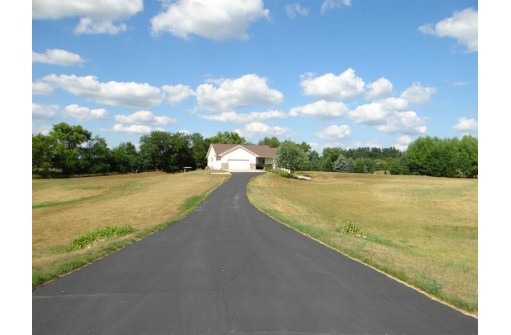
[72,150]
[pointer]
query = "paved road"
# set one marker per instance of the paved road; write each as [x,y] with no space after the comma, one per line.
[229,269]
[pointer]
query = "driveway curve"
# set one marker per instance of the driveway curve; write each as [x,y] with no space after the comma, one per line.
[227,268]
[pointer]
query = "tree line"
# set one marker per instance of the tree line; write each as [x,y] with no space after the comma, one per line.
[69,150]
[429,156]
[72,150]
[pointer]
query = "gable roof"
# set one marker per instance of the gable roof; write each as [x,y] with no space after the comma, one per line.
[258,150]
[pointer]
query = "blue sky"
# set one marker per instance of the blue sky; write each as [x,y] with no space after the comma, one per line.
[331,73]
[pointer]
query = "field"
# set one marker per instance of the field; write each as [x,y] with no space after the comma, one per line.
[421,230]
[64,209]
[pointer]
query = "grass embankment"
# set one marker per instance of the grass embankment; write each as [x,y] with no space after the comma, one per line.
[421,230]
[78,220]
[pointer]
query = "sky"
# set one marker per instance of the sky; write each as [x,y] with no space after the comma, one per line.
[332,73]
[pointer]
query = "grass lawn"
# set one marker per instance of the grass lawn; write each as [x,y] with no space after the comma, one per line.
[421,230]
[64,209]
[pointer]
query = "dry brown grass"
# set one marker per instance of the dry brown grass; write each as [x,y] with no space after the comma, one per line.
[65,208]
[422,230]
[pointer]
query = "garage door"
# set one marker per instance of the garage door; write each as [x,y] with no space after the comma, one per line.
[238,164]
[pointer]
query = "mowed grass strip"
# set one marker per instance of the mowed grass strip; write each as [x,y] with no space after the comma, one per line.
[65,209]
[421,230]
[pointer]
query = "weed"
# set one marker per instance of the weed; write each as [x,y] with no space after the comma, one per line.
[98,234]
[348,228]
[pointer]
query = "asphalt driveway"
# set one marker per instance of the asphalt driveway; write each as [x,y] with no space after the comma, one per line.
[229,269]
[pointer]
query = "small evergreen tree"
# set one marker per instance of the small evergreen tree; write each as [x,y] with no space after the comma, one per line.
[340,164]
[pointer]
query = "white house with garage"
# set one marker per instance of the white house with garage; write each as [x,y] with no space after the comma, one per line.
[240,157]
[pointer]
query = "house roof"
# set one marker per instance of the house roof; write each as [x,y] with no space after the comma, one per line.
[259,150]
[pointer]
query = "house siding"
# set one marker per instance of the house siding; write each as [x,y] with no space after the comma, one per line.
[249,154]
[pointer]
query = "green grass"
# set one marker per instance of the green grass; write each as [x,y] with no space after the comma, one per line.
[420,230]
[99,234]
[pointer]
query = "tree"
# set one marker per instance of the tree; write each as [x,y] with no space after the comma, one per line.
[67,146]
[340,164]
[42,147]
[328,159]
[350,164]
[96,156]
[437,157]
[227,138]
[199,149]
[162,150]
[291,156]
[314,161]
[468,156]
[272,142]
[155,150]
[125,158]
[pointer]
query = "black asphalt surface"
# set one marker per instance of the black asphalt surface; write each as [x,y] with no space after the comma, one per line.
[227,268]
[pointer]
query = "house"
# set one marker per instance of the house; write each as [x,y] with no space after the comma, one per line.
[240,157]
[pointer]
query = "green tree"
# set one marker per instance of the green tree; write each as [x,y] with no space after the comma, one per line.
[67,143]
[96,156]
[227,137]
[350,164]
[437,157]
[162,150]
[468,148]
[42,150]
[291,156]
[125,157]
[328,159]
[155,150]
[340,164]
[272,142]
[314,161]
[199,149]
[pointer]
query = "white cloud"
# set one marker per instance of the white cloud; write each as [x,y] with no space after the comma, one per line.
[44,129]
[321,109]
[462,26]
[97,16]
[44,112]
[132,129]
[332,4]
[57,57]
[245,118]
[144,118]
[214,19]
[41,88]
[334,132]
[465,124]
[129,94]
[84,113]
[262,129]
[417,94]
[376,112]
[403,122]
[294,9]
[332,87]
[177,93]
[403,142]
[459,83]
[91,27]
[237,93]
[379,88]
